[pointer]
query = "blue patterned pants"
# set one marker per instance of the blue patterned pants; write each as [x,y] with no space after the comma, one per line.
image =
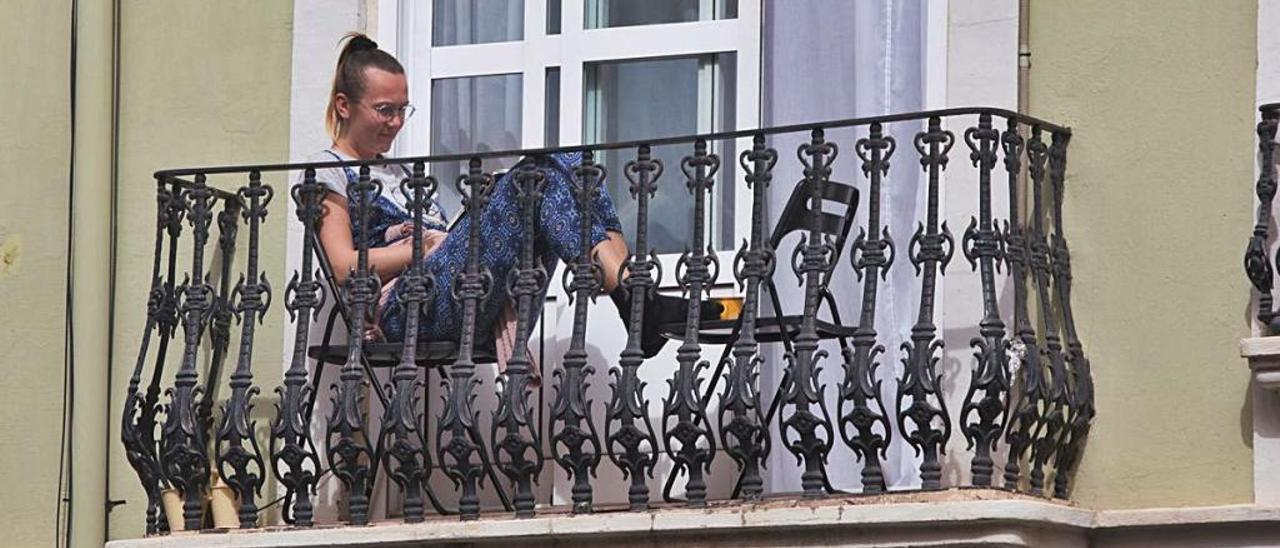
[557,237]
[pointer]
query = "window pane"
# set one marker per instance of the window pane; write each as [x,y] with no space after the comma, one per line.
[458,22]
[653,99]
[553,16]
[624,13]
[473,114]
[551,120]
[725,112]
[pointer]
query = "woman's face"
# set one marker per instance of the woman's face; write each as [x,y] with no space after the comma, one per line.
[371,123]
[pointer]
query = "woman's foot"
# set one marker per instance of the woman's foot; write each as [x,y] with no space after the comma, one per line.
[658,310]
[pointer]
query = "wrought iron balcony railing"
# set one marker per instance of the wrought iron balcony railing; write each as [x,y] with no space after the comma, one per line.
[1257,265]
[1025,401]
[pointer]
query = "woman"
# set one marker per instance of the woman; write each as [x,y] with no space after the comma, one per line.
[368,105]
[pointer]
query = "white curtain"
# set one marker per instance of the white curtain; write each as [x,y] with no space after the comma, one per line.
[456,22]
[473,114]
[833,59]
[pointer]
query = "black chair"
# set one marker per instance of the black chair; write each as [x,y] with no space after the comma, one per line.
[797,215]
[382,355]
[784,328]
[386,355]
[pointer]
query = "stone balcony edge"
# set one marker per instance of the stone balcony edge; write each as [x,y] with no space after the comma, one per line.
[969,516]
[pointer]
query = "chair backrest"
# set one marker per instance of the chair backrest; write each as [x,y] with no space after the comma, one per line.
[797,215]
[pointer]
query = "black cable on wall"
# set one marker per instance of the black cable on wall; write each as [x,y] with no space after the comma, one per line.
[112,254]
[62,523]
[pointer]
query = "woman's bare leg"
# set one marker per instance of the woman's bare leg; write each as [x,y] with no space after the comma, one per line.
[659,309]
[611,252]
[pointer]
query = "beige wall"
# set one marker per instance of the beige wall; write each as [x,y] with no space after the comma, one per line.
[34,153]
[203,83]
[1160,95]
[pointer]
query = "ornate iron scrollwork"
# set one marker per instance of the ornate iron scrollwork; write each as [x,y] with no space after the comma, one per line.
[574,440]
[745,433]
[686,430]
[183,451]
[517,446]
[458,439]
[294,458]
[865,429]
[629,437]
[241,466]
[806,434]
[402,442]
[930,250]
[348,443]
[989,383]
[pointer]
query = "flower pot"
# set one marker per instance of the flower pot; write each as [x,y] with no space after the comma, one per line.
[171,501]
[222,499]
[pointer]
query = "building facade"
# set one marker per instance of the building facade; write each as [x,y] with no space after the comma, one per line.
[1161,101]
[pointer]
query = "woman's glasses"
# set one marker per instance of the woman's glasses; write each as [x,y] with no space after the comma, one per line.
[387,112]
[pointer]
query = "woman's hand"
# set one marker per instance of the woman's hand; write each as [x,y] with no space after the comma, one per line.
[431,239]
[402,234]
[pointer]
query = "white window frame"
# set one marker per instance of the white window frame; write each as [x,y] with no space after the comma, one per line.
[571,51]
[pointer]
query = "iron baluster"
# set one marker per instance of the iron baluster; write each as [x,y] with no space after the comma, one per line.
[1053,389]
[168,324]
[183,440]
[240,466]
[574,440]
[872,256]
[222,310]
[402,441]
[745,435]
[684,418]
[347,441]
[1079,390]
[989,382]
[812,262]
[294,458]
[517,451]
[1256,264]
[1025,395]
[931,248]
[137,433]
[458,439]
[629,437]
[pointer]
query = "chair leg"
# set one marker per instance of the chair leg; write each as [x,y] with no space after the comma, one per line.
[320,363]
[787,344]
[777,397]
[783,332]
[425,437]
[488,468]
[724,356]
[375,456]
[373,380]
[835,318]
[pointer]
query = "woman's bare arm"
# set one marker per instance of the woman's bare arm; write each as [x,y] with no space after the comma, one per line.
[339,246]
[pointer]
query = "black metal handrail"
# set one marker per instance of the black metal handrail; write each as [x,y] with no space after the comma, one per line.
[1039,413]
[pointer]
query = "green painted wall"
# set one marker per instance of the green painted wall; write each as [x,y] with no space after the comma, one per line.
[202,83]
[34,152]
[1160,95]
